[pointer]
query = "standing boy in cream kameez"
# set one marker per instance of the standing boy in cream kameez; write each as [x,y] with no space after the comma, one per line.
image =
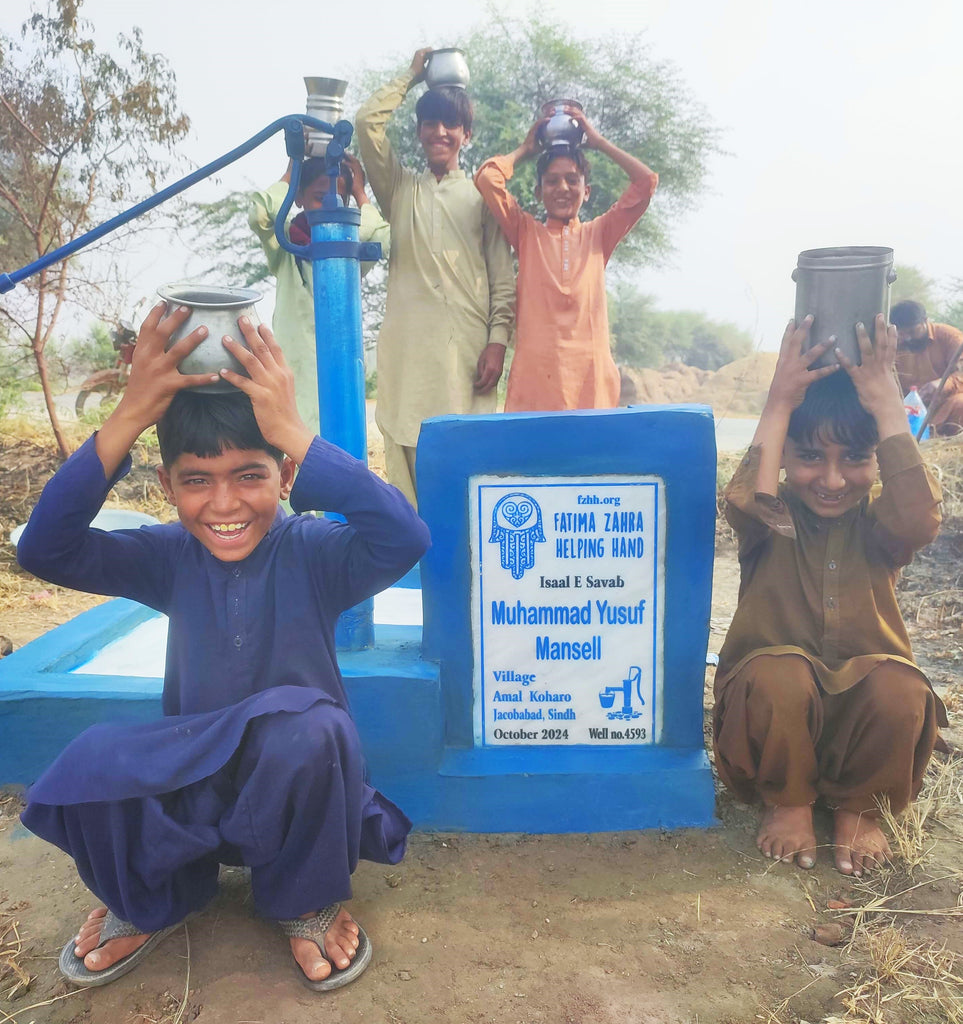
[451,285]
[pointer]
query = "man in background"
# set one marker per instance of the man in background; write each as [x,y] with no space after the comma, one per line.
[925,351]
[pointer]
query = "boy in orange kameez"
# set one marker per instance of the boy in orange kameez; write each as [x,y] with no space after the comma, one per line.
[816,692]
[562,355]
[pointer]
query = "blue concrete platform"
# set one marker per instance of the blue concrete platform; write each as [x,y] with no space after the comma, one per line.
[416,696]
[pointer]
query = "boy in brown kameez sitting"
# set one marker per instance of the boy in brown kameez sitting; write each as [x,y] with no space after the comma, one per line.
[816,691]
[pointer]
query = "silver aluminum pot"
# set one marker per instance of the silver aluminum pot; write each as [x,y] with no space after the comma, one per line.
[218,310]
[447,66]
[326,103]
[842,286]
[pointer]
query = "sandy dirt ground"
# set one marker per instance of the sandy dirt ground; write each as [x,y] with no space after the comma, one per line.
[684,927]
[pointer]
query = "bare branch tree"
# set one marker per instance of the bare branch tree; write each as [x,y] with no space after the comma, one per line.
[81,131]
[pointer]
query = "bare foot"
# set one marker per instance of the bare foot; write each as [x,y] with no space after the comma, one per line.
[860,843]
[786,833]
[88,937]
[340,946]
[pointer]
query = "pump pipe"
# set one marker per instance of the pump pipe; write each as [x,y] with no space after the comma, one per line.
[334,251]
[10,281]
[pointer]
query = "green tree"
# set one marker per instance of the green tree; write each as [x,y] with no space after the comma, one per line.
[950,309]
[645,336]
[636,100]
[714,343]
[912,283]
[83,134]
[633,327]
[79,357]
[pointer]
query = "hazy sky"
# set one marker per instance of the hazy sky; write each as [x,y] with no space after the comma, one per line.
[840,117]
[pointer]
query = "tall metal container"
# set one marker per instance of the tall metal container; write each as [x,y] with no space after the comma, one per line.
[840,287]
[326,103]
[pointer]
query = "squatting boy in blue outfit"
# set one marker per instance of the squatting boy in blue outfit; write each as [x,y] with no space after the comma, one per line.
[257,760]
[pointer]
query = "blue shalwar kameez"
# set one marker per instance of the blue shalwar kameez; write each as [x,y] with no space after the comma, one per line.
[257,760]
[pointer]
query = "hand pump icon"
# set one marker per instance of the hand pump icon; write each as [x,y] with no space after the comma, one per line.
[607,696]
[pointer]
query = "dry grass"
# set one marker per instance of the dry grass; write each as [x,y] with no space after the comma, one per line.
[11,957]
[940,606]
[27,459]
[14,1016]
[944,456]
[953,699]
[899,980]
[940,801]
[902,982]
[11,803]
[896,978]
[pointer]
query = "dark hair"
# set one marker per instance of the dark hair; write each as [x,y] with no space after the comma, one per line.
[831,412]
[314,167]
[447,104]
[572,152]
[205,424]
[907,314]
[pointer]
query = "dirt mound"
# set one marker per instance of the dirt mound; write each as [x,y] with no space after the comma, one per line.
[753,371]
[673,383]
[738,388]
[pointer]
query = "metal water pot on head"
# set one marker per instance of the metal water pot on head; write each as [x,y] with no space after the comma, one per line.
[216,308]
[561,130]
[447,66]
[842,286]
[326,103]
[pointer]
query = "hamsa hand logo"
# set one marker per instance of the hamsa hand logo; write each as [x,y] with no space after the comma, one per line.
[517,528]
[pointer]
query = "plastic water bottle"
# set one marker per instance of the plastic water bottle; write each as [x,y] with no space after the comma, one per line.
[915,412]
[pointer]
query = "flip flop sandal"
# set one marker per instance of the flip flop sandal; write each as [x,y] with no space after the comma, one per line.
[72,966]
[315,928]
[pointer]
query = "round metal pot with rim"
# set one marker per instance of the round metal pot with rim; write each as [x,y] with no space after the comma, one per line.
[217,308]
[561,130]
[447,66]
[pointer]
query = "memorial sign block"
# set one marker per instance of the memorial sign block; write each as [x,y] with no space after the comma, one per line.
[567,609]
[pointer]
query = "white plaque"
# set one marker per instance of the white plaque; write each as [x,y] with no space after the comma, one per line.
[567,585]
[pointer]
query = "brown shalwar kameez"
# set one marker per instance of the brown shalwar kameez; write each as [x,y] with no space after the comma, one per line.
[929,364]
[816,691]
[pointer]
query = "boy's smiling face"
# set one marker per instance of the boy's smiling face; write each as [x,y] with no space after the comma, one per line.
[827,477]
[562,189]
[227,501]
[442,143]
